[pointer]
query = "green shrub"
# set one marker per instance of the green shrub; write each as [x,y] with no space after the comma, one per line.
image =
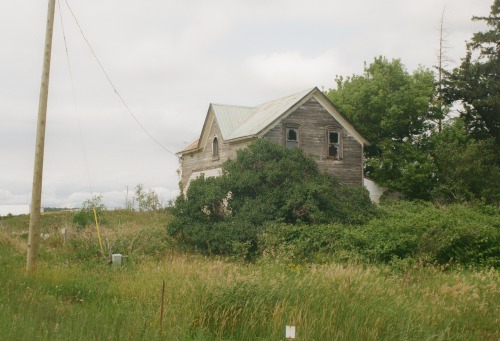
[82,218]
[414,232]
[85,216]
[266,183]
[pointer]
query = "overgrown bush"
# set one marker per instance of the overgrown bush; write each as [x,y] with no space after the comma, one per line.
[265,183]
[413,231]
[85,216]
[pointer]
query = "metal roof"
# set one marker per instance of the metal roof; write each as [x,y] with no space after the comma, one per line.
[230,117]
[238,122]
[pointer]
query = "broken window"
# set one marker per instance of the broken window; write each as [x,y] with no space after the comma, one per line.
[334,145]
[292,138]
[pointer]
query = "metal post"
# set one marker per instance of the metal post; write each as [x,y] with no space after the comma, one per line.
[36,196]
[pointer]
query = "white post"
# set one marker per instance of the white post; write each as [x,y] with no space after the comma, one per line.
[116,260]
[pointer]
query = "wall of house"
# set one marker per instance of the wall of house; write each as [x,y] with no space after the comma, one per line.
[204,160]
[314,122]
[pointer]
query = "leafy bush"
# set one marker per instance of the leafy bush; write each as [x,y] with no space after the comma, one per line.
[265,183]
[85,216]
[413,231]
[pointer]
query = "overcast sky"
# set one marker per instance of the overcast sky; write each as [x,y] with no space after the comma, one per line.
[169,60]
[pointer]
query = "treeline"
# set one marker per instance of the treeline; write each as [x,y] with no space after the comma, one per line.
[421,147]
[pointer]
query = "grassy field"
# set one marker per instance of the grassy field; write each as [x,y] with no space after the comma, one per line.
[77,295]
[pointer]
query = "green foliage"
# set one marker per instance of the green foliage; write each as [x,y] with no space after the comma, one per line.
[476,82]
[416,232]
[466,169]
[211,298]
[85,216]
[386,102]
[405,166]
[392,108]
[265,183]
[147,200]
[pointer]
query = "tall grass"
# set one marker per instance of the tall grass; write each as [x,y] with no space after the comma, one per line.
[83,298]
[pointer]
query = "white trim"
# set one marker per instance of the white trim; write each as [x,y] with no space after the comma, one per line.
[339,144]
[325,102]
[286,113]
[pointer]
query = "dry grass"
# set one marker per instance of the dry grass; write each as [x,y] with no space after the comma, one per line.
[76,295]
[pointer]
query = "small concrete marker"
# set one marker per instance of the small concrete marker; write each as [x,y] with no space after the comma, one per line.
[116,260]
[290,332]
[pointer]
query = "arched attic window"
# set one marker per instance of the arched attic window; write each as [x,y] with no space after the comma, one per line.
[215,147]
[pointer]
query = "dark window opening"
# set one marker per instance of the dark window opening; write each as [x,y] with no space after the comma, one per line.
[333,144]
[215,147]
[292,138]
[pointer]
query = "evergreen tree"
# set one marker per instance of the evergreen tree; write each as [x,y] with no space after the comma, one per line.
[476,82]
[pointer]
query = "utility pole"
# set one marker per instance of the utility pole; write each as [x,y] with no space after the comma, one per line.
[36,196]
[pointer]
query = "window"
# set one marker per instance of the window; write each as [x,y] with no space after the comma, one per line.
[215,147]
[334,145]
[292,138]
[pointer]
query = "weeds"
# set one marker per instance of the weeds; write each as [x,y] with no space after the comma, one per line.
[76,295]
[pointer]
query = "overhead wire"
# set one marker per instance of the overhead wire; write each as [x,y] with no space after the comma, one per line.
[113,85]
[80,127]
[77,114]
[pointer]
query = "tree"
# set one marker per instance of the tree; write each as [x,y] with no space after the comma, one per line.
[265,183]
[147,200]
[466,169]
[392,109]
[440,108]
[405,166]
[476,82]
[386,102]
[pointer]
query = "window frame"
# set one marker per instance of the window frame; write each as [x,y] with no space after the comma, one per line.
[297,136]
[338,144]
[215,148]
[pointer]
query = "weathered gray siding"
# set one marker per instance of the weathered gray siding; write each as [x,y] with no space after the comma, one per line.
[314,122]
[203,159]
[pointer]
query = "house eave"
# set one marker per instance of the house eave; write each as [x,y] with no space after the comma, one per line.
[339,116]
[242,139]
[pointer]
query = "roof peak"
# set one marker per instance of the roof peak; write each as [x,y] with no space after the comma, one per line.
[303,92]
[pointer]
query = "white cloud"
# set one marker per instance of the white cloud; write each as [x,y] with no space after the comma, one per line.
[9,198]
[169,60]
[288,69]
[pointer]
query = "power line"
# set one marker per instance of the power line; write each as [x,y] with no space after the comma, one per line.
[112,84]
[74,99]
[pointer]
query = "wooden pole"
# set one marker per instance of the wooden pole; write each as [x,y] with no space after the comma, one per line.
[36,196]
[162,307]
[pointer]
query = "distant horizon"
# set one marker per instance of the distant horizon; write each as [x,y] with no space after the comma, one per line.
[169,61]
[24,209]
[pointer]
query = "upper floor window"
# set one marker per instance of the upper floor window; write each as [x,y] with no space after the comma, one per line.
[334,145]
[215,147]
[292,138]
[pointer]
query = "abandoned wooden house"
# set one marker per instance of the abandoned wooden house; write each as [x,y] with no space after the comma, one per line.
[306,120]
